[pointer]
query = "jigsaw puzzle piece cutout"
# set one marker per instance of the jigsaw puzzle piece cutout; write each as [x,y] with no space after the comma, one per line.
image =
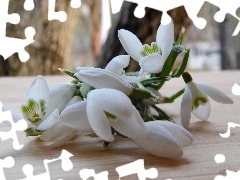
[163,6]
[236,89]
[219,16]
[13,18]
[192,8]
[66,165]
[9,46]
[238,12]
[7,162]
[60,15]
[227,133]
[29,5]
[137,167]
[75,3]
[87,173]
[226,7]
[20,125]
[28,171]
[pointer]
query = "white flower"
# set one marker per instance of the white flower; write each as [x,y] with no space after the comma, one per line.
[164,139]
[59,133]
[75,116]
[151,58]
[103,78]
[195,100]
[44,104]
[109,108]
[117,65]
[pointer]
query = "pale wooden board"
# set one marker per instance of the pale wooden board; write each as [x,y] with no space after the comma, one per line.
[196,163]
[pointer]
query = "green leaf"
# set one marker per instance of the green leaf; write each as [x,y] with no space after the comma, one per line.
[140,93]
[33,132]
[180,37]
[178,72]
[68,73]
[168,65]
[161,114]
[85,89]
[154,80]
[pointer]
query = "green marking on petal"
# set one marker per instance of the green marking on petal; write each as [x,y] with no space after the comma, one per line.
[150,49]
[42,105]
[199,101]
[110,116]
[34,111]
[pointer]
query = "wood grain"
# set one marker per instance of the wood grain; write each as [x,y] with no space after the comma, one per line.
[196,163]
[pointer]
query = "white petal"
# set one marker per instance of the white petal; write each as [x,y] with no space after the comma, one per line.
[98,121]
[152,63]
[215,94]
[130,43]
[123,59]
[57,135]
[186,107]
[165,38]
[118,63]
[74,100]
[102,78]
[60,95]
[203,111]
[57,131]
[52,119]
[132,127]
[158,141]
[128,122]
[183,136]
[84,68]
[39,89]
[75,116]
[59,142]
[115,67]
[112,101]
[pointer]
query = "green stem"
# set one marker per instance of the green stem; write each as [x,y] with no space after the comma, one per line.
[177,94]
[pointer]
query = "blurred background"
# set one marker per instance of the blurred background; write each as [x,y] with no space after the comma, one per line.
[89,36]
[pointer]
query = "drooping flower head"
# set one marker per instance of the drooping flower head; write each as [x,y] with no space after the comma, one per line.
[195,100]
[109,108]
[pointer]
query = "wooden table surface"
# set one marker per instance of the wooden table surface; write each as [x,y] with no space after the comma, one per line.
[197,162]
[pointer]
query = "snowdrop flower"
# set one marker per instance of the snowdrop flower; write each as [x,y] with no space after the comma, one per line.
[164,139]
[75,117]
[44,103]
[103,78]
[117,65]
[93,114]
[106,108]
[195,100]
[58,134]
[151,58]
